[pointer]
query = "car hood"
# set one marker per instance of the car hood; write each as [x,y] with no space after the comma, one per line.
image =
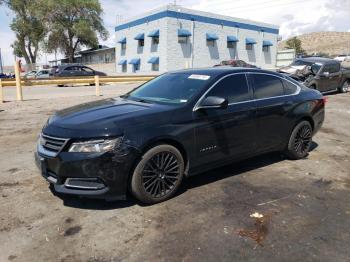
[291,69]
[107,117]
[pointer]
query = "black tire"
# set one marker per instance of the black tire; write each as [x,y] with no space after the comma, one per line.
[158,174]
[345,87]
[300,141]
[313,87]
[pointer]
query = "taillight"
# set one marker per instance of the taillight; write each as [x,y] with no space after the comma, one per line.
[325,99]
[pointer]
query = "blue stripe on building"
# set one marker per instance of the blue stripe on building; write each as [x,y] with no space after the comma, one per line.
[198,18]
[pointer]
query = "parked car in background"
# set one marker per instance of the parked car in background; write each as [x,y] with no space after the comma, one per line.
[328,75]
[75,70]
[324,74]
[30,74]
[43,74]
[10,75]
[179,124]
[298,64]
[342,58]
[235,63]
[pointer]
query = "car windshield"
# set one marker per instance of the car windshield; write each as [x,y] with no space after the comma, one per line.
[300,63]
[316,67]
[172,88]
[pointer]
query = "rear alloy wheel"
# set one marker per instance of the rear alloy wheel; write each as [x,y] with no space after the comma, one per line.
[300,141]
[345,87]
[158,175]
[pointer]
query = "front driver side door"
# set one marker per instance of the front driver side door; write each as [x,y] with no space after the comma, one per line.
[228,133]
[329,81]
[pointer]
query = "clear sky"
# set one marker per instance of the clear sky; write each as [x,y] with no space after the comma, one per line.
[293,16]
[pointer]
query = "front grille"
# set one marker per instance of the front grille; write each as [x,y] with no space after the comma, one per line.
[52,144]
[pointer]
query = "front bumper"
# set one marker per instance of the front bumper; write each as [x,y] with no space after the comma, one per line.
[95,175]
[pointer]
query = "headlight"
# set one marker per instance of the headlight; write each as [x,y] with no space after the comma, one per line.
[95,146]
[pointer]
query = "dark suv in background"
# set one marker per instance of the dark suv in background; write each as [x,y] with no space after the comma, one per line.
[74,70]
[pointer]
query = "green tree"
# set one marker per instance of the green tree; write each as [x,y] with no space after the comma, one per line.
[295,43]
[72,24]
[28,27]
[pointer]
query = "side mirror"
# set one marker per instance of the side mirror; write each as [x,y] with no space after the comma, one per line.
[213,102]
[325,74]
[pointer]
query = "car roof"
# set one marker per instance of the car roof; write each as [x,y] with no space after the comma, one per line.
[69,65]
[321,60]
[222,71]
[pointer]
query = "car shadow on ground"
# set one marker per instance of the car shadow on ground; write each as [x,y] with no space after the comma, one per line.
[189,183]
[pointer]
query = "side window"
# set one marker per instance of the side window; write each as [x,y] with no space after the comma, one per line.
[289,87]
[266,86]
[331,68]
[326,68]
[334,68]
[86,69]
[233,88]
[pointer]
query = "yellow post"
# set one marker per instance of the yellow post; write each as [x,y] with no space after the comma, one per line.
[97,85]
[18,82]
[1,92]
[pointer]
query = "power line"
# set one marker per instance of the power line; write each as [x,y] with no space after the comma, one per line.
[244,5]
[250,7]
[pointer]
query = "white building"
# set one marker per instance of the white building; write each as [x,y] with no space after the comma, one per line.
[173,37]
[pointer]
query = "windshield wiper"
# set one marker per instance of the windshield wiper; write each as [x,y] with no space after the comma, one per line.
[143,101]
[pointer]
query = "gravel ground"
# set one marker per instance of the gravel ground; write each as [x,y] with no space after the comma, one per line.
[306,203]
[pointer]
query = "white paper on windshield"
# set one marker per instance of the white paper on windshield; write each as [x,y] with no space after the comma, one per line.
[199,77]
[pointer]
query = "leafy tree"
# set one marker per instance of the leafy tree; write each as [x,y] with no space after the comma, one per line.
[295,43]
[72,24]
[27,25]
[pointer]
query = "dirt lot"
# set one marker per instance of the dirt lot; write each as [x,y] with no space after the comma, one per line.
[307,203]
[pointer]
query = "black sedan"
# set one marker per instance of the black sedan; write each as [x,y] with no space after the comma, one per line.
[74,70]
[178,124]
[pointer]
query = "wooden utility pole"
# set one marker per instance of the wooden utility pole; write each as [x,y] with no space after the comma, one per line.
[1,93]
[18,82]
[97,85]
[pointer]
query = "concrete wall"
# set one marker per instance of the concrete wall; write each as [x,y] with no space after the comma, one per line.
[101,56]
[285,57]
[108,68]
[179,55]
[196,53]
[148,51]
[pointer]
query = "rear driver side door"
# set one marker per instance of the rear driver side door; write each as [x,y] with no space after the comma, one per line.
[272,109]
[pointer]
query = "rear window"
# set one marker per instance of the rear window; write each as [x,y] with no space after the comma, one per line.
[289,87]
[266,86]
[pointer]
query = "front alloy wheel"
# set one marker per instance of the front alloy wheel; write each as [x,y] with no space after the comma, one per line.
[345,87]
[158,175]
[300,141]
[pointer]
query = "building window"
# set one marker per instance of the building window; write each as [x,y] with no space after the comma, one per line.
[155,67]
[182,39]
[141,43]
[155,40]
[249,47]
[210,43]
[123,46]
[266,48]
[136,67]
[124,68]
[231,45]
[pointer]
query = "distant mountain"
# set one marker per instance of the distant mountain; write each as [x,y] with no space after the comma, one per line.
[332,43]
